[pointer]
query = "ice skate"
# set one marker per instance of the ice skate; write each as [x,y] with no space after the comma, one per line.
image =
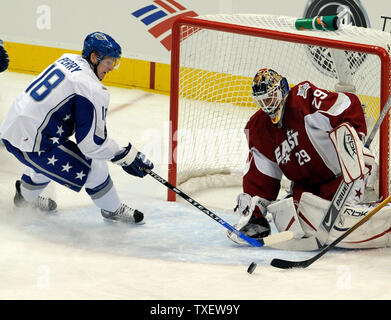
[124,214]
[41,203]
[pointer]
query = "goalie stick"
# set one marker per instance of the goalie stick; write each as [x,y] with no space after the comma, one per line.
[272,239]
[344,189]
[286,264]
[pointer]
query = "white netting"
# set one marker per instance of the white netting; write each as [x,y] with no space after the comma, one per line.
[216,69]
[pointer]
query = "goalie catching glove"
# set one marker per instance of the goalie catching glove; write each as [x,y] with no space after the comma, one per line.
[252,222]
[133,161]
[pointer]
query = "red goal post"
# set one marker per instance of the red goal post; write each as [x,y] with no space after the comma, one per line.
[246,38]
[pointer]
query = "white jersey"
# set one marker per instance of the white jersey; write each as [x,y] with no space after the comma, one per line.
[66,99]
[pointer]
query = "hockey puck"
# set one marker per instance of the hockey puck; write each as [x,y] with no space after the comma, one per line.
[251,267]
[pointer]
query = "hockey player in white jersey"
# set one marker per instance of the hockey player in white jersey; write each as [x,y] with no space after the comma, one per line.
[68,101]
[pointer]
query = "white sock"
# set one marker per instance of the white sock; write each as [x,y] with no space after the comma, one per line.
[109,201]
[30,195]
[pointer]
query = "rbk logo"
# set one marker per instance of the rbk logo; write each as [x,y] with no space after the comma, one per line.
[350,147]
[161,16]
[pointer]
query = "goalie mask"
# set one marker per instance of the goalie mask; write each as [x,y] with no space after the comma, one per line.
[270,90]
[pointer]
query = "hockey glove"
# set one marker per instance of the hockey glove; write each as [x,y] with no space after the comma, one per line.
[252,221]
[4,60]
[133,161]
[247,204]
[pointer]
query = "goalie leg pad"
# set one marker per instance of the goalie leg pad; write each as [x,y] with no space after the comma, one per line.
[375,233]
[312,210]
[304,244]
[285,217]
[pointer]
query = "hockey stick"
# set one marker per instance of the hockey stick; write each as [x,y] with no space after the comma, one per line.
[272,239]
[286,264]
[344,189]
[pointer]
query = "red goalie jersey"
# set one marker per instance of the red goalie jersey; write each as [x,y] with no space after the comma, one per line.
[300,148]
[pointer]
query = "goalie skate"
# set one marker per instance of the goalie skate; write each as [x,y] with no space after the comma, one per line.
[256,228]
[41,203]
[123,214]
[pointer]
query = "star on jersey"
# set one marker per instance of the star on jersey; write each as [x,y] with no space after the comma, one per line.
[60,130]
[52,160]
[39,152]
[54,140]
[67,117]
[66,167]
[303,88]
[80,175]
[286,159]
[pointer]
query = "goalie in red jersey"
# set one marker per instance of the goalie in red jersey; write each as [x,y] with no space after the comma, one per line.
[301,133]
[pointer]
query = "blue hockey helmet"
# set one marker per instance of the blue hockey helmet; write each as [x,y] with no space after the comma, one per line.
[103,45]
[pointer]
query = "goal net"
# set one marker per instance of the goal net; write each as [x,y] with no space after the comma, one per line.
[214,59]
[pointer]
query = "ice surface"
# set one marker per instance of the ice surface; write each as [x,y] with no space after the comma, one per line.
[179,253]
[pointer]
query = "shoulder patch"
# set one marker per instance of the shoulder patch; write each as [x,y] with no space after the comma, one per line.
[303,88]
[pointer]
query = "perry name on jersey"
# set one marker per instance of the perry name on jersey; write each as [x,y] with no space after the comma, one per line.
[66,99]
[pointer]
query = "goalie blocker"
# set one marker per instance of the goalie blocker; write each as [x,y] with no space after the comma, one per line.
[355,160]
